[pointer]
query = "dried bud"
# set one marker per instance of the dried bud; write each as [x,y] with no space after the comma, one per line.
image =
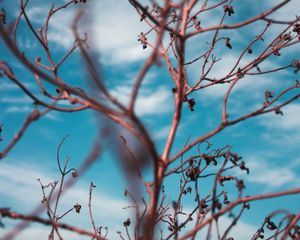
[286,37]
[271,226]
[191,102]
[193,173]
[222,179]
[187,190]
[240,185]
[278,111]
[247,205]
[225,200]
[174,16]
[296,65]
[210,159]
[276,52]
[143,16]
[3,16]
[38,59]
[1,125]
[217,204]
[228,9]
[143,40]
[125,192]
[234,157]
[244,168]
[296,29]
[240,74]
[196,23]
[93,185]
[260,233]
[77,207]
[268,95]
[127,223]
[74,174]
[80,1]
[227,43]
[203,204]
[171,228]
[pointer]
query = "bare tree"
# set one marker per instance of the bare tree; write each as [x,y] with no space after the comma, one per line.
[172,26]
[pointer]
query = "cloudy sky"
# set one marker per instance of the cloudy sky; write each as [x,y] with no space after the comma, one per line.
[268,144]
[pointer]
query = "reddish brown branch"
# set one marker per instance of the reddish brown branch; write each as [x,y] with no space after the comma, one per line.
[6,213]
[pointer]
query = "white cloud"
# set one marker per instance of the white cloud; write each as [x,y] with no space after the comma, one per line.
[283,131]
[162,132]
[112,26]
[149,101]
[246,84]
[155,103]
[6,87]
[59,26]
[38,232]
[18,109]
[116,27]
[25,192]
[271,175]
[242,230]
[287,12]
[53,116]
[16,99]
[289,121]
[22,108]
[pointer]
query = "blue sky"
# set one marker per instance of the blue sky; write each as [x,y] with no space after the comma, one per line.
[269,144]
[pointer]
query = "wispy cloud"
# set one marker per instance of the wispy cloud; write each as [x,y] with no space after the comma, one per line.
[113,29]
[38,232]
[287,12]
[18,109]
[289,121]
[241,230]
[149,101]
[8,87]
[246,84]
[15,99]
[21,180]
[21,108]
[162,132]
[264,171]
[116,28]
[59,26]
[283,131]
